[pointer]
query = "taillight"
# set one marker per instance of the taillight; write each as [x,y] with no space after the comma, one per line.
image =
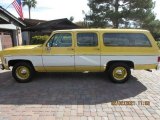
[158,59]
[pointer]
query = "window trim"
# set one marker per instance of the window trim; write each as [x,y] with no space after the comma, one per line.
[87,33]
[127,45]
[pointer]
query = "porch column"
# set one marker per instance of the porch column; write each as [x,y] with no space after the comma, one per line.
[19,36]
[14,37]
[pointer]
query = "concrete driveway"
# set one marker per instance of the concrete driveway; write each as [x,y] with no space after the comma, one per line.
[78,96]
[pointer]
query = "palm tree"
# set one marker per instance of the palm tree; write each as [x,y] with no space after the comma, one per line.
[30,4]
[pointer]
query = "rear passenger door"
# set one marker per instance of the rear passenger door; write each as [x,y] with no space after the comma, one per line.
[87,51]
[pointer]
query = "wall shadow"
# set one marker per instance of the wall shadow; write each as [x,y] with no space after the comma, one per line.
[66,89]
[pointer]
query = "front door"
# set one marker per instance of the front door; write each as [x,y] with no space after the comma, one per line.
[59,55]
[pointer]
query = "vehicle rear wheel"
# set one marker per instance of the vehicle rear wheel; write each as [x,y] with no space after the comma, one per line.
[119,72]
[22,72]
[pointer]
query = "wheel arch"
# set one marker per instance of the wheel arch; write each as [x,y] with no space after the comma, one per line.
[129,63]
[15,61]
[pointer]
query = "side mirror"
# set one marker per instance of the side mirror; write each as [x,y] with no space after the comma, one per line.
[49,45]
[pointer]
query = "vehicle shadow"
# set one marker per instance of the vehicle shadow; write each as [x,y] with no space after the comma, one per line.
[66,89]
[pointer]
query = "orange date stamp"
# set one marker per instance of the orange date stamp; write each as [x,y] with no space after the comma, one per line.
[130,103]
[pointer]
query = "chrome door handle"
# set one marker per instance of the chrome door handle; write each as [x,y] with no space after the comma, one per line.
[70,48]
[97,48]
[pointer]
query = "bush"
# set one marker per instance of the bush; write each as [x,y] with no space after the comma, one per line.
[158,43]
[39,39]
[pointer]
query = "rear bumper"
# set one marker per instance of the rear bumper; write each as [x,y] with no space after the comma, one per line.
[1,66]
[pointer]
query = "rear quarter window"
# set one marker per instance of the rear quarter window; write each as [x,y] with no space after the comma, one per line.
[126,39]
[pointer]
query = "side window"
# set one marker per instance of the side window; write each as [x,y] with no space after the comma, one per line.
[126,39]
[61,40]
[87,39]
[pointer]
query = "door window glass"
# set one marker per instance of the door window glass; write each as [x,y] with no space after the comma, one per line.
[61,40]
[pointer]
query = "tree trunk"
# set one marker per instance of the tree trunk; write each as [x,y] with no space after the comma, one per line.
[29,9]
[116,19]
[115,23]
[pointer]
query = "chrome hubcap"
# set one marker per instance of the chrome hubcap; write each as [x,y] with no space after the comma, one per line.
[23,71]
[119,72]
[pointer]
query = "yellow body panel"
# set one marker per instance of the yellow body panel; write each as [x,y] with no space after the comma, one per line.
[145,67]
[23,50]
[54,69]
[68,69]
[88,69]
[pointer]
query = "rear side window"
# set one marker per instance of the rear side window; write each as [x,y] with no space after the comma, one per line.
[126,39]
[87,39]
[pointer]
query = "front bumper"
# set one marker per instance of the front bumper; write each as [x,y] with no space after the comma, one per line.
[1,66]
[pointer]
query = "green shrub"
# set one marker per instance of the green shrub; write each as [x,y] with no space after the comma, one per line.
[39,39]
[158,43]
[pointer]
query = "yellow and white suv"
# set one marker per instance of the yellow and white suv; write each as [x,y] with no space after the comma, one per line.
[79,50]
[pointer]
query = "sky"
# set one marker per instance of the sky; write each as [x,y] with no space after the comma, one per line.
[57,9]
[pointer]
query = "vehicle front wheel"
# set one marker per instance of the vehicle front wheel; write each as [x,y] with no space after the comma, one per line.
[22,72]
[119,72]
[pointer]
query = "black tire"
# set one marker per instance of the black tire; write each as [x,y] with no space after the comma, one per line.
[26,66]
[125,75]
